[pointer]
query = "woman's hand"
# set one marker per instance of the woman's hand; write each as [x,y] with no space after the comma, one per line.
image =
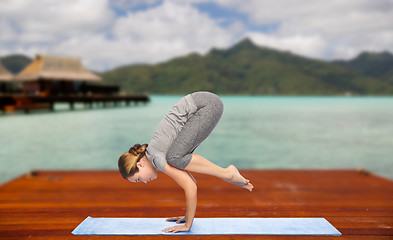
[177,228]
[177,219]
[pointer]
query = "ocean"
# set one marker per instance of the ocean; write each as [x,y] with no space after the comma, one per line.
[255,132]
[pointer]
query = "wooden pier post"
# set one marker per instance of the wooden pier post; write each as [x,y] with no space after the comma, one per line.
[52,106]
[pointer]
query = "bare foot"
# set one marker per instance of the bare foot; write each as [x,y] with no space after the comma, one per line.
[237,179]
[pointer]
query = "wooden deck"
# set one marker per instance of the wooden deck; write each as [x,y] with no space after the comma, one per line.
[50,204]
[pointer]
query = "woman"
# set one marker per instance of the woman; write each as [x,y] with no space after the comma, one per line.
[181,131]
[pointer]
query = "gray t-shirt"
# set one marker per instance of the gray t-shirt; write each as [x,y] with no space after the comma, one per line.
[167,131]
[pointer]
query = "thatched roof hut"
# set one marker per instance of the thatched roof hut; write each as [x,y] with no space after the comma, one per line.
[53,75]
[46,67]
[5,75]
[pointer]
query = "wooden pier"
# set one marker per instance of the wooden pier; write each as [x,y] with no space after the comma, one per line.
[9,103]
[50,204]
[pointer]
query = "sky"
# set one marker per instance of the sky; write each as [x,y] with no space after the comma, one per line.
[110,33]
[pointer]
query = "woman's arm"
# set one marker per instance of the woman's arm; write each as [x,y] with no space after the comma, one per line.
[186,182]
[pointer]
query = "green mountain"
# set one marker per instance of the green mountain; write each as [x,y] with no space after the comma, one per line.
[249,69]
[246,69]
[378,65]
[15,63]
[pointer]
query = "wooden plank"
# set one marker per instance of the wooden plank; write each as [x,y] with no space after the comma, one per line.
[50,204]
[57,235]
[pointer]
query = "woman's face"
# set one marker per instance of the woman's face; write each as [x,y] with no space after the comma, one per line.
[147,172]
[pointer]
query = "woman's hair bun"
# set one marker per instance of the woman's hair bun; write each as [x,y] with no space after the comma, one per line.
[137,149]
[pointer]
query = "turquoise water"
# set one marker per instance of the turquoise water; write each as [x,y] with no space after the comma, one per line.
[254,133]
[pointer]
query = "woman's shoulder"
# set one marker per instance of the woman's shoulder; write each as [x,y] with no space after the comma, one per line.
[156,157]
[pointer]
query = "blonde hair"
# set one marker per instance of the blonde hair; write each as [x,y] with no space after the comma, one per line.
[128,160]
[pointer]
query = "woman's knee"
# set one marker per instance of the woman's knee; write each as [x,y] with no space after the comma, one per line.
[215,108]
[219,106]
[215,103]
[210,101]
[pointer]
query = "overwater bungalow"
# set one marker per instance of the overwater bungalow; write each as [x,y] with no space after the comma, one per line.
[59,75]
[57,79]
[5,80]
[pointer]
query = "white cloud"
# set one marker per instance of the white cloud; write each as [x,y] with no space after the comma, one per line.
[48,20]
[311,46]
[108,33]
[346,27]
[6,30]
[172,22]
[169,30]
[89,29]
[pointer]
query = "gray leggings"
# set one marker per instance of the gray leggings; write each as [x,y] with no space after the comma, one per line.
[196,130]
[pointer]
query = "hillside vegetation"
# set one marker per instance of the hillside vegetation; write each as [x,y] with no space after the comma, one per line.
[248,69]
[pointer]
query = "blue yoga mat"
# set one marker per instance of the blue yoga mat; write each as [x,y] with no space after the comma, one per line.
[207,226]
